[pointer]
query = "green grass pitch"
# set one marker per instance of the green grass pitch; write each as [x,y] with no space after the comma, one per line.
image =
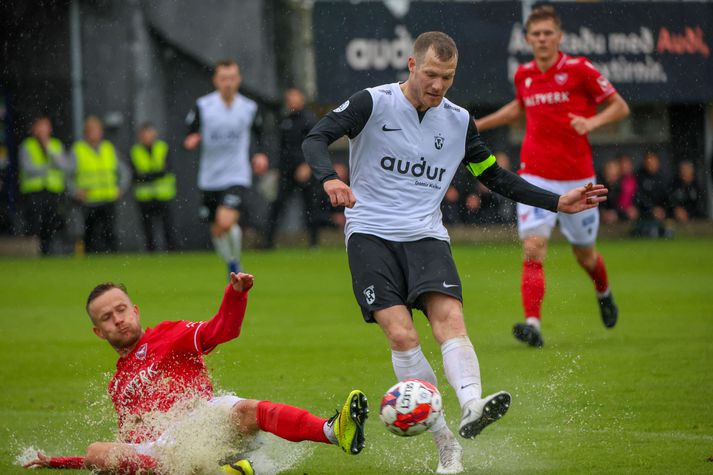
[635,399]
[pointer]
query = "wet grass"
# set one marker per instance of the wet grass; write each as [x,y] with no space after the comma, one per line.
[635,399]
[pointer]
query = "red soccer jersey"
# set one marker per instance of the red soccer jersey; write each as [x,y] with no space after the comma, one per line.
[552,149]
[167,366]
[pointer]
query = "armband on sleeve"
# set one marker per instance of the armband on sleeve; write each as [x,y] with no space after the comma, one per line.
[477,169]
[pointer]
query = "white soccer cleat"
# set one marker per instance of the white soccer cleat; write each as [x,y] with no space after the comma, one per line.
[480,413]
[450,453]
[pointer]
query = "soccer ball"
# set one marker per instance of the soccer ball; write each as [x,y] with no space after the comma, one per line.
[410,407]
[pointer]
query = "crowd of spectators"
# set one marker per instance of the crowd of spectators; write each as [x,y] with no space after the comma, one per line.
[647,198]
[643,196]
[50,178]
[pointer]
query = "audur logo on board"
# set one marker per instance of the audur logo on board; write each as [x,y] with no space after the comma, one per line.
[381,53]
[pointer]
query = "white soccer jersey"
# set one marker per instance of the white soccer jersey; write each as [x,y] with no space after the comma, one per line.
[400,167]
[225,141]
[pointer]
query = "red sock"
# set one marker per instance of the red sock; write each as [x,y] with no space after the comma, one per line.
[290,423]
[532,287]
[136,464]
[67,462]
[599,275]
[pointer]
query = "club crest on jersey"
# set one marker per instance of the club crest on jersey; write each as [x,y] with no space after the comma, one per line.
[141,352]
[561,78]
[438,141]
[528,82]
[370,295]
[344,105]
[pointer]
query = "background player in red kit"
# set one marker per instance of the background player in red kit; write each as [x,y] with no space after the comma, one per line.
[161,367]
[559,95]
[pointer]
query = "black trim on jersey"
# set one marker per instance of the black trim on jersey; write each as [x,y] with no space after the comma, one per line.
[502,181]
[475,149]
[257,133]
[511,186]
[193,120]
[349,122]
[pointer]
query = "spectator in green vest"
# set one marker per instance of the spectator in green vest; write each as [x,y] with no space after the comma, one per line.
[97,178]
[154,185]
[42,160]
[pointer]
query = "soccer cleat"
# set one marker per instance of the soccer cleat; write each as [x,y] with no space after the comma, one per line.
[528,334]
[480,413]
[348,424]
[450,453]
[240,467]
[609,310]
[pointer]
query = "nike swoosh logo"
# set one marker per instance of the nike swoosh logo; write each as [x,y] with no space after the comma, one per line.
[448,286]
[463,387]
[386,129]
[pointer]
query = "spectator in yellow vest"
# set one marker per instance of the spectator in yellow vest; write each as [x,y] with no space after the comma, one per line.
[97,178]
[42,161]
[154,185]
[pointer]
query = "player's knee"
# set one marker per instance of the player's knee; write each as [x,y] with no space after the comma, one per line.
[534,249]
[402,338]
[449,325]
[244,415]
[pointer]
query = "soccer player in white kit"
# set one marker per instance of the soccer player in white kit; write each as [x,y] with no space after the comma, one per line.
[406,142]
[559,95]
[222,124]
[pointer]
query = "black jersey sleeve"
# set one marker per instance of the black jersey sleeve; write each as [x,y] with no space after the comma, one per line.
[257,133]
[481,164]
[348,119]
[193,120]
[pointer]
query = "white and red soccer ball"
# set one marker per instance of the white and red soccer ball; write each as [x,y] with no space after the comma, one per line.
[411,407]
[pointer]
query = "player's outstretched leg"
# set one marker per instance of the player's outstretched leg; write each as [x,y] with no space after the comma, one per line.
[239,467]
[347,425]
[480,413]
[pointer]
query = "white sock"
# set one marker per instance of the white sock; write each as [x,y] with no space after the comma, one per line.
[604,294]
[462,368]
[222,247]
[413,364]
[328,430]
[235,236]
[533,322]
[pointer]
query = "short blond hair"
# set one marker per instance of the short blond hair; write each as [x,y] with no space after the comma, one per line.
[443,45]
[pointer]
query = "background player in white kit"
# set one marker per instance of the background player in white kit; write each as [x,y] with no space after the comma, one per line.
[558,94]
[222,123]
[406,142]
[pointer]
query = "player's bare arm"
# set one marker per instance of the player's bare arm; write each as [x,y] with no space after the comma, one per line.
[507,114]
[260,163]
[191,141]
[41,461]
[241,282]
[340,194]
[615,109]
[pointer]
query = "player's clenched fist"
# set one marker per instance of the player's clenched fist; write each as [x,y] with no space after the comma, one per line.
[339,193]
[241,282]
